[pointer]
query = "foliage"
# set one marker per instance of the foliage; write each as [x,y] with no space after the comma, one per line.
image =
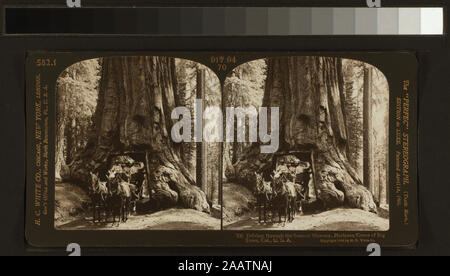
[77,96]
[244,88]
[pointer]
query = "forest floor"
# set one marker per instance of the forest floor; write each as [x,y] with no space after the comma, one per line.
[238,202]
[334,220]
[70,202]
[239,215]
[72,214]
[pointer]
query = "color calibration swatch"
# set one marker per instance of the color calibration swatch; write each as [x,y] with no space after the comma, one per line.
[227,21]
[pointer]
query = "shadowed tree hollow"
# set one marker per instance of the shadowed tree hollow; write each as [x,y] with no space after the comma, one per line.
[133,114]
[310,94]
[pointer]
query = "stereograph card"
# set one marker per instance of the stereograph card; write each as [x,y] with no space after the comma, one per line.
[145,149]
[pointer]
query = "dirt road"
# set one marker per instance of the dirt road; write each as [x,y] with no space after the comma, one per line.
[334,220]
[173,219]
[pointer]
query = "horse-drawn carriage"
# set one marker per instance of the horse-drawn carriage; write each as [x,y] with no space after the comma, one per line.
[117,186]
[286,189]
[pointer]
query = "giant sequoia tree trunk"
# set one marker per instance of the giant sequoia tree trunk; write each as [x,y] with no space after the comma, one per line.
[308,91]
[136,98]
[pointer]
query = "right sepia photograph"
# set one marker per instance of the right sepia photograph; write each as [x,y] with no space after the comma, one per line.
[328,171]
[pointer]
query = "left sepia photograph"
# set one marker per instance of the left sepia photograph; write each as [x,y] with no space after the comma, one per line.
[116,164]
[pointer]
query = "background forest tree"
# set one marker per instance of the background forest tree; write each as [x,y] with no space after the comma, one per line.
[243,88]
[353,73]
[188,77]
[76,97]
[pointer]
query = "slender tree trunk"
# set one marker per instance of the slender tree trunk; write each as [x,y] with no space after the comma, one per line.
[202,157]
[368,131]
[308,92]
[228,169]
[215,174]
[136,98]
[69,140]
[60,129]
[387,183]
[382,187]
[229,153]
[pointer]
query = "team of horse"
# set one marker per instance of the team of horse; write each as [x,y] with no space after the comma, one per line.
[116,197]
[282,195]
